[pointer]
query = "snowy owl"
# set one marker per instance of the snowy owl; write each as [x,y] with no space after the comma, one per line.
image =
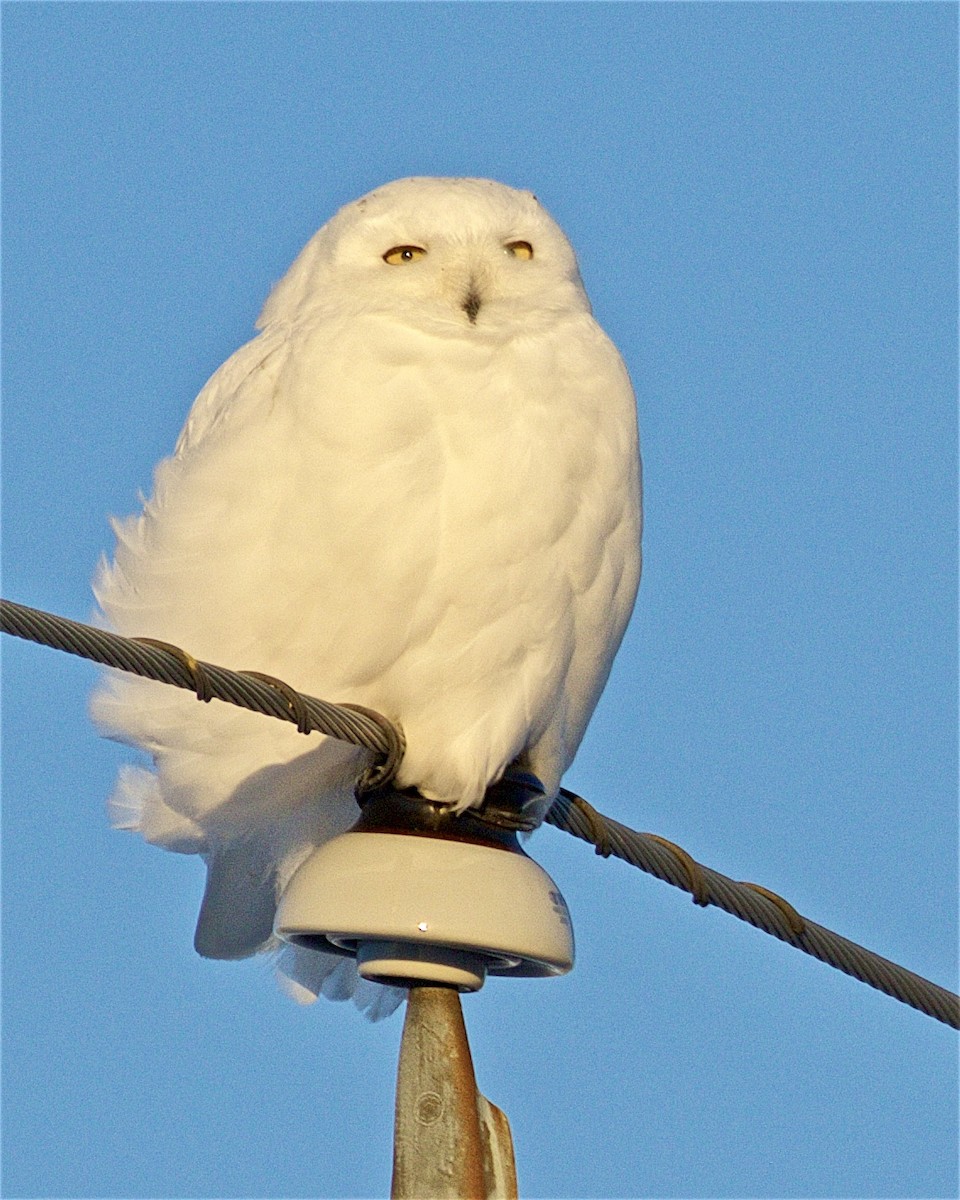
[416,489]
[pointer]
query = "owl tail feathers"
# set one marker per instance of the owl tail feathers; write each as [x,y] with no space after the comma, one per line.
[306,974]
[136,804]
[239,901]
[236,920]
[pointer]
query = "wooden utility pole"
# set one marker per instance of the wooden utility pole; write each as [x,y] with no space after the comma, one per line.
[450,1143]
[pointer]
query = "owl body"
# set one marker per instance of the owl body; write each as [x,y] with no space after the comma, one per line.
[418,490]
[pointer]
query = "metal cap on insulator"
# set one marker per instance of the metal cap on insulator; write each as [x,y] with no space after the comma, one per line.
[420,895]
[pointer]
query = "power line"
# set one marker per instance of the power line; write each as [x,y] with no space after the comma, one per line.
[759,907]
[252,690]
[363,727]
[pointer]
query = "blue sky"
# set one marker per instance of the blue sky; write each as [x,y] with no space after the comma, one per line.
[763,198]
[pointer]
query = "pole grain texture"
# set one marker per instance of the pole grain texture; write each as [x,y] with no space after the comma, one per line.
[450,1143]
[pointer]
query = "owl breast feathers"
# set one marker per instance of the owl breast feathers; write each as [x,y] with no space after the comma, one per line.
[417,489]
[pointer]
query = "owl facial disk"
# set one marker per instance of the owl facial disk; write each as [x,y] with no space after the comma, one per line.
[471,302]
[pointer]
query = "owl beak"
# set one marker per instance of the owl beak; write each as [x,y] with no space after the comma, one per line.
[471,302]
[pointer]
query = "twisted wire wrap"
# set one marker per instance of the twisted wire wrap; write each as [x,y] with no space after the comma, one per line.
[571,813]
[170,664]
[762,909]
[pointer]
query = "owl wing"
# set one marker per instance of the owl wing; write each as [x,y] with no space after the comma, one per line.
[223,787]
[250,372]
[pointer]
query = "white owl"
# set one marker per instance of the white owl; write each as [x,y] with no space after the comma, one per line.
[417,489]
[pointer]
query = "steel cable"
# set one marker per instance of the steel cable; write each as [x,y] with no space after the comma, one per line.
[764,911]
[571,813]
[170,664]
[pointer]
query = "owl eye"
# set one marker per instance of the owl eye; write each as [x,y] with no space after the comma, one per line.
[403,254]
[519,249]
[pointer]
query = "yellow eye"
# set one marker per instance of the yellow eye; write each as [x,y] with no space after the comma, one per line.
[403,254]
[519,249]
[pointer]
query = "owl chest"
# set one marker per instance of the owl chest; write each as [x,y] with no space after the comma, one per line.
[484,430]
[443,482]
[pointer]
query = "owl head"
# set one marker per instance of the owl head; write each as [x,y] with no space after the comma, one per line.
[467,257]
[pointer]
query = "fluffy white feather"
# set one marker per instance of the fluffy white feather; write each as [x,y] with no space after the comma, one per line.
[417,489]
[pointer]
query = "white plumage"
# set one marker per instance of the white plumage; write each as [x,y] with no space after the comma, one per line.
[417,490]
